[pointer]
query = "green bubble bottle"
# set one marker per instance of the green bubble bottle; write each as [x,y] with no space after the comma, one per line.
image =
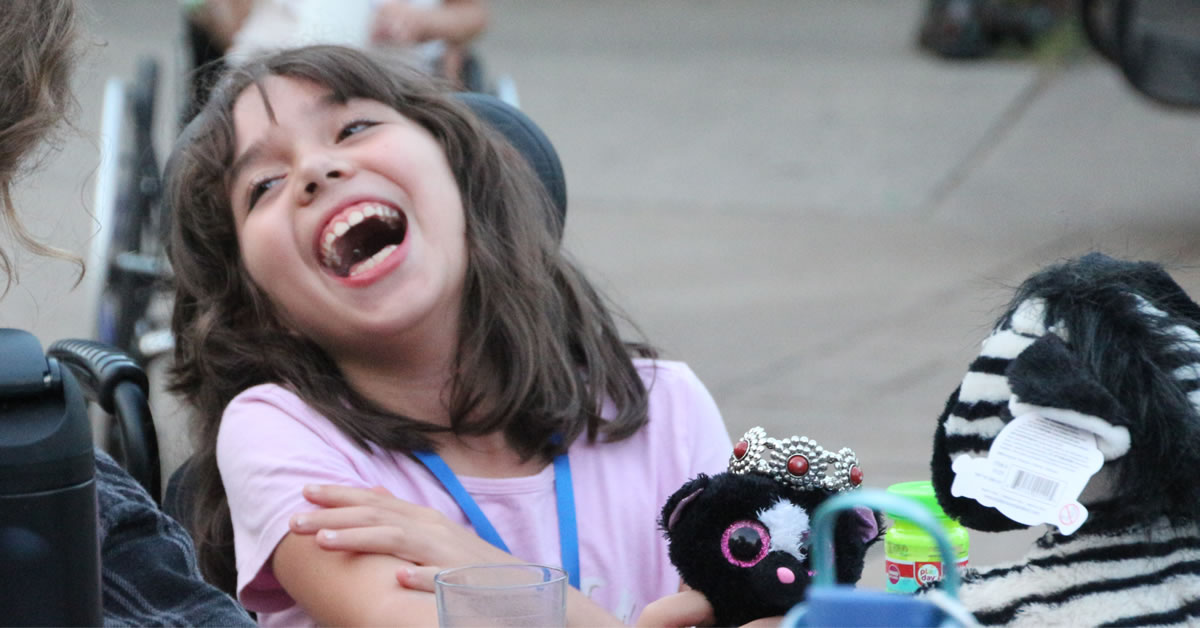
[912,558]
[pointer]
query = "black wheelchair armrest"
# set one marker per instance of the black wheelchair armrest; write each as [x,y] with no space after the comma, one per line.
[112,379]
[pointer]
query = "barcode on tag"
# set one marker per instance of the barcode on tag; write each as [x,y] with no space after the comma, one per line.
[1034,485]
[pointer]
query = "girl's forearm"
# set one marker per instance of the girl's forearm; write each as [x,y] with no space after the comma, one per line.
[581,611]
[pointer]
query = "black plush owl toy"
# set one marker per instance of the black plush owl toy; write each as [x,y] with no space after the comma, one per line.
[742,537]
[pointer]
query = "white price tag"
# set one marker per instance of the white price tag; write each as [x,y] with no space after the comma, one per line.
[1034,472]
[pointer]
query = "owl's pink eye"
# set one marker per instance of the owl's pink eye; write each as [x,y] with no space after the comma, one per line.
[745,543]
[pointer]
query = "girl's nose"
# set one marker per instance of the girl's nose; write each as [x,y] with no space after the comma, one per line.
[315,184]
[320,174]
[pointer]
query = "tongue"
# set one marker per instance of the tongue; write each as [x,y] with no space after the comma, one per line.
[365,240]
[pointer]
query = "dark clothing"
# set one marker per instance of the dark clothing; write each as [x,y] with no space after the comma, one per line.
[148,564]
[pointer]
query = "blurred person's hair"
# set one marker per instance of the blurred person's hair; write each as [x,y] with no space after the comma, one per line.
[38,40]
[538,346]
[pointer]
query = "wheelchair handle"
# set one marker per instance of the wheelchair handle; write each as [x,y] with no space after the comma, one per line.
[826,515]
[99,367]
[115,381]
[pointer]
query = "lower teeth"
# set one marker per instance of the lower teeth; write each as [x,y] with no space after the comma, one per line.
[372,261]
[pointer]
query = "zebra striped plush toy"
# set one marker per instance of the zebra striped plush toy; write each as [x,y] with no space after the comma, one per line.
[1111,348]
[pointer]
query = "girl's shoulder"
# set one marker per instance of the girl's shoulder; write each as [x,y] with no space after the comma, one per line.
[652,366]
[668,374]
[675,395]
[272,394]
[270,407]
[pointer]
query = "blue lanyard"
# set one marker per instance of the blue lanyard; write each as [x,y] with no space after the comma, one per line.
[568,535]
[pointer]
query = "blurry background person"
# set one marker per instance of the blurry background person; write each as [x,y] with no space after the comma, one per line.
[432,35]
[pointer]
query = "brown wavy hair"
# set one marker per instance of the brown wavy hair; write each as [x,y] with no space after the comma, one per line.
[38,39]
[537,345]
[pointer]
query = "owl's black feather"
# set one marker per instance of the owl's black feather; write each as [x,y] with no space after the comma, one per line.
[697,517]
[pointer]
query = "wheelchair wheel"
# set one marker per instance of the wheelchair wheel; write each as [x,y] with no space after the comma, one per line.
[126,259]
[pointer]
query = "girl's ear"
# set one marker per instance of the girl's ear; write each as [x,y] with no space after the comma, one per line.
[679,501]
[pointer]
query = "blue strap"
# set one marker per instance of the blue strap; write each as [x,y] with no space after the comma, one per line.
[450,482]
[568,534]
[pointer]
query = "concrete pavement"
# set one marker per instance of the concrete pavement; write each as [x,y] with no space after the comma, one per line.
[787,194]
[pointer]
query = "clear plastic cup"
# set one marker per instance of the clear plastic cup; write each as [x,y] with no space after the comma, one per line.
[524,595]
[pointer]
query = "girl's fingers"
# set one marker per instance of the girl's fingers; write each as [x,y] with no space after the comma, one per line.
[343,517]
[370,540]
[417,578]
[334,496]
[415,543]
[765,622]
[330,495]
[686,608]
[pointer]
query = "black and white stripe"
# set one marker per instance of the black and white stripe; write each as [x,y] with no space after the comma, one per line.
[1142,576]
[983,397]
[1187,347]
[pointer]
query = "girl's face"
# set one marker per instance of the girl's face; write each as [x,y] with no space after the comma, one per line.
[348,217]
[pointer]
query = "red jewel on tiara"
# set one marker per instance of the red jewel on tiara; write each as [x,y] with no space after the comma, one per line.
[797,465]
[739,450]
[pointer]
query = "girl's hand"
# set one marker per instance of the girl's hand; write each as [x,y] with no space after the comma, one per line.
[689,608]
[686,608]
[372,521]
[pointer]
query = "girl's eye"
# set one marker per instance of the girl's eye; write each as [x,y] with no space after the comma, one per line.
[260,187]
[745,543]
[353,127]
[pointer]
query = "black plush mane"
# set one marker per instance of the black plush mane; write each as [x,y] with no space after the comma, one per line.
[1133,356]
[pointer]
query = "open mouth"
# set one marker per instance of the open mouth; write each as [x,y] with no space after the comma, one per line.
[359,238]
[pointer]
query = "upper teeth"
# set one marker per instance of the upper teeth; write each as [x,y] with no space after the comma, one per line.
[340,225]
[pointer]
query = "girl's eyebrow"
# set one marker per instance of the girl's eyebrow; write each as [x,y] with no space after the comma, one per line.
[247,158]
[257,149]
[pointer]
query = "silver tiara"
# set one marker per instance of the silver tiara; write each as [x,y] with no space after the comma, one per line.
[797,461]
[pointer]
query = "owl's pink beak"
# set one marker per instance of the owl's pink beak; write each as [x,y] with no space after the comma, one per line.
[785,575]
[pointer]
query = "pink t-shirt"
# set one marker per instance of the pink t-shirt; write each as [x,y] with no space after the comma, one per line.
[271,444]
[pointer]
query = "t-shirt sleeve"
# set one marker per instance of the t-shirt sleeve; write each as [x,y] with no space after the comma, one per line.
[271,445]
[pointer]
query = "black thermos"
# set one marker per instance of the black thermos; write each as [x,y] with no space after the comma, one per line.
[49,549]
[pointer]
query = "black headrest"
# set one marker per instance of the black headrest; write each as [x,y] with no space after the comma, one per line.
[527,138]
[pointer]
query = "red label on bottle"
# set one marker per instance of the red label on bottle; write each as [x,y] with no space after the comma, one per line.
[893,573]
[928,573]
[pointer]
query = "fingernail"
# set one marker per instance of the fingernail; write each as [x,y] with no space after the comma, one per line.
[407,573]
[329,535]
[312,489]
[299,522]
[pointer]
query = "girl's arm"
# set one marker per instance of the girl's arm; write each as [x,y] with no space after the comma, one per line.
[393,547]
[348,589]
[360,588]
